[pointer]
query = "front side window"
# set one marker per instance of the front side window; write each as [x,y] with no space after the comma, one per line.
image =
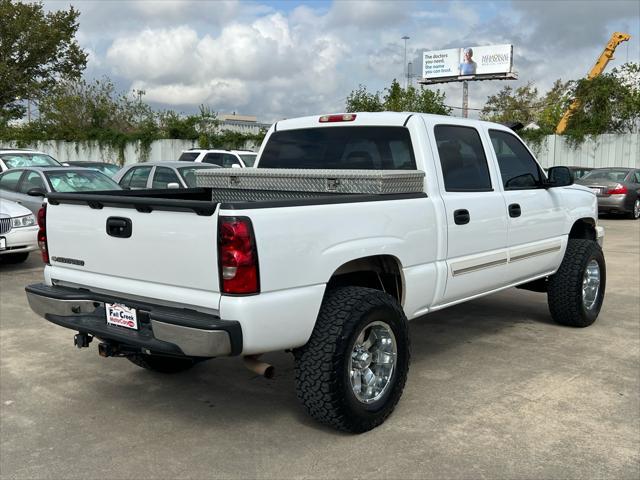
[343,148]
[163,176]
[229,160]
[518,168]
[462,158]
[9,180]
[30,181]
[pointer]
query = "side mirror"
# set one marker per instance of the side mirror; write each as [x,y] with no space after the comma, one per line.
[236,165]
[173,185]
[36,192]
[560,177]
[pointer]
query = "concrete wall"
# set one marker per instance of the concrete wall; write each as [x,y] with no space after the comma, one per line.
[609,150]
[71,151]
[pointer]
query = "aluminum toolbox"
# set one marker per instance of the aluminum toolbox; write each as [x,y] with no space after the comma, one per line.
[273,182]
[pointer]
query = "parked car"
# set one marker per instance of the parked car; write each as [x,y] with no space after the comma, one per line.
[18,232]
[617,189]
[28,186]
[109,169]
[25,158]
[330,265]
[222,158]
[159,175]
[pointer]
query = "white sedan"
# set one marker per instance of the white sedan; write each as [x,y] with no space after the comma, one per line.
[18,232]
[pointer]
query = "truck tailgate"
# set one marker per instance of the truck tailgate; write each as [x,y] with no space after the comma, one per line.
[169,248]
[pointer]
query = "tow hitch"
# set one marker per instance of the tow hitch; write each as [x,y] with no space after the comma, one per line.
[82,340]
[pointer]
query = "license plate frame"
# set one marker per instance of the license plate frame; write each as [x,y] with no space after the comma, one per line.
[597,191]
[120,315]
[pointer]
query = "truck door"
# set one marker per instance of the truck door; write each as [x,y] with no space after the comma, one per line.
[476,222]
[536,217]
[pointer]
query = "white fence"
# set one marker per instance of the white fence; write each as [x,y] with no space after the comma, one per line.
[608,150]
[160,150]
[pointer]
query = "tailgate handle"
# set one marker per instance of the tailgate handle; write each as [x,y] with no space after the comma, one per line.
[119,227]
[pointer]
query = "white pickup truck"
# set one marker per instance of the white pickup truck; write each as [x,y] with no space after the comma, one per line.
[170,278]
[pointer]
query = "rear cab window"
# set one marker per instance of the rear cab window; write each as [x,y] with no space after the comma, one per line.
[342,148]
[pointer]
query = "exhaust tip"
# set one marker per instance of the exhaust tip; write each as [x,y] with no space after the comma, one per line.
[256,366]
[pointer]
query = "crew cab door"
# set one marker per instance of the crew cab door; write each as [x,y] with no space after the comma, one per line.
[476,221]
[536,215]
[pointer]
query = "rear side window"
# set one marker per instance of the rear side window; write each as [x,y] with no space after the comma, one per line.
[163,176]
[344,148]
[518,168]
[213,159]
[9,181]
[30,181]
[188,156]
[228,160]
[462,158]
[136,178]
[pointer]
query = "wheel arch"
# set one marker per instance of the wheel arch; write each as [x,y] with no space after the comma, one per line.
[381,272]
[583,228]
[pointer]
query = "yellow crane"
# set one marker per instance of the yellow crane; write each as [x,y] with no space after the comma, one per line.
[607,54]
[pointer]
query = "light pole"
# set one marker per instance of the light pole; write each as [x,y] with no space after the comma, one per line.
[404,67]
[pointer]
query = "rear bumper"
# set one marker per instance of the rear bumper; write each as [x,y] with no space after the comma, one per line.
[613,203]
[166,330]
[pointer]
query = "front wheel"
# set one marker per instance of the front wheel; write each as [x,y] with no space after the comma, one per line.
[576,290]
[351,373]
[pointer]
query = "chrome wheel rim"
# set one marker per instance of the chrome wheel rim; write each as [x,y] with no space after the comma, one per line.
[636,209]
[591,284]
[372,362]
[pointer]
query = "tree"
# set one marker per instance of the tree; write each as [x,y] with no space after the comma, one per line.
[509,105]
[37,49]
[553,105]
[608,103]
[396,99]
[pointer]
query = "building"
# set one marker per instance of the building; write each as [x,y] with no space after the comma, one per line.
[246,124]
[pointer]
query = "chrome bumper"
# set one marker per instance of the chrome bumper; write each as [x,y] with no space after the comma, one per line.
[162,329]
[600,235]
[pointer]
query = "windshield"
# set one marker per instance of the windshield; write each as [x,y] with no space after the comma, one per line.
[607,175]
[188,156]
[17,160]
[357,148]
[189,174]
[80,181]
[248,159]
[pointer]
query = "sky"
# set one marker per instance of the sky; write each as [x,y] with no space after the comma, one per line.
[281,59]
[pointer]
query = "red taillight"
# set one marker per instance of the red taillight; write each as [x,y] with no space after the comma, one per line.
[617,190]
[343,117]
[237,256]
[42,233]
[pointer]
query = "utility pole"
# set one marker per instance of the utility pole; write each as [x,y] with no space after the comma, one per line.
[404,66]
[465,99]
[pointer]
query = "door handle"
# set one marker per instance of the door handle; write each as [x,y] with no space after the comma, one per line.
[461,217]
[119,227]
[514,210]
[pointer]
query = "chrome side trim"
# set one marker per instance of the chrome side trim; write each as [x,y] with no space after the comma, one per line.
[544,251]
[481,266]
[193,342]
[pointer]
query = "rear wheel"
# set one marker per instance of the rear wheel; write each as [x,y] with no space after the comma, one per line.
[14,257]
[351,373]
[576,291]
[158,363]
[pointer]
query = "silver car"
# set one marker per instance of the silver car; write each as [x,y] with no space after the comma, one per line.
[160,175]
[618,189]
[28,186]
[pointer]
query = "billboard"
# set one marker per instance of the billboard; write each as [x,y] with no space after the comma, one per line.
[467,61]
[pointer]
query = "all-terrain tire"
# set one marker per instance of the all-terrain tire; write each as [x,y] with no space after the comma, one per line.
[14,257]
[323,382]
[158,363]
[565,288]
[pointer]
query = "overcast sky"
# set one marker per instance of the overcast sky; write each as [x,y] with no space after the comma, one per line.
[279,59]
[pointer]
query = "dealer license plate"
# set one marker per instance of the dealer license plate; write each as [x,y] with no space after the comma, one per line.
[3,243]
[121,315]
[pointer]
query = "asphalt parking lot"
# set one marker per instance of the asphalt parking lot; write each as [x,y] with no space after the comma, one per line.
[495,390]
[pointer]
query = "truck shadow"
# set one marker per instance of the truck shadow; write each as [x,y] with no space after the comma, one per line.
[221,392]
